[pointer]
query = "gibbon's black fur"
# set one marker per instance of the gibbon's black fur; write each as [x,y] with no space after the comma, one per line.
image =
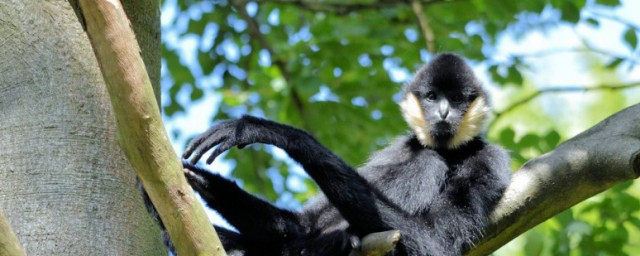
[437,185]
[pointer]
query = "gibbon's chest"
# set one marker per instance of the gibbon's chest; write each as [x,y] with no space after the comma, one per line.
[412,183]
[416,183]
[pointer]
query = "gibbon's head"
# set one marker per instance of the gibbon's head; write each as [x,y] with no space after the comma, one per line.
[445,104]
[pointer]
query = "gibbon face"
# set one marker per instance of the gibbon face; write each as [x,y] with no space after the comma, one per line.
[445,104]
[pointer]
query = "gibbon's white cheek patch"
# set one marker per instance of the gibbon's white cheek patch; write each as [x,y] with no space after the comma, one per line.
[413,115]
[472,123]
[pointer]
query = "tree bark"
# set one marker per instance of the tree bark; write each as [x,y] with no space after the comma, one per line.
[64,182]
[593,161]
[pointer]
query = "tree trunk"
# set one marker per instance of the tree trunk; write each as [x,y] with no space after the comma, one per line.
[65,185]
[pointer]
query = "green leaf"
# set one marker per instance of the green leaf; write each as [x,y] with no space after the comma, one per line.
[570,12]
[579,3]
[552,139]
[631,38]
[197,26]
[196,93]
[529,141]
[172,108]
[180,74]
[608,2]
[514,76]
[495,75]
[507,137]
[593,22]
[614,64]
[207,64]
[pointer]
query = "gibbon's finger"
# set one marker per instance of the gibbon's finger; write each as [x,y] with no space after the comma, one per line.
[198,151]
[194,179]
[190,171]
[195,143]
[206,146]
[202,138]
[192,168]
[191,147]
[219,150]
[188,174]
[198,154]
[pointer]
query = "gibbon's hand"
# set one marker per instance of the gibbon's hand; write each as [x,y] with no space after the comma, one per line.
[195,177]
[225,135]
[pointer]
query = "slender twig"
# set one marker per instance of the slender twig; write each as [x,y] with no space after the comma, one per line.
[590,46]
[423,23]
[616,19]
[559,89]
[346,8]
[587,49]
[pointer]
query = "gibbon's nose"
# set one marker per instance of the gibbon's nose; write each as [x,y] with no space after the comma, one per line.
[443,109]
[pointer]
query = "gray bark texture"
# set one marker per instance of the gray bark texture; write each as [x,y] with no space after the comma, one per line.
[65,185]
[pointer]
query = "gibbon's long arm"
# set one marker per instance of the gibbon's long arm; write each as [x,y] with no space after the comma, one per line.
[252,217]
[357,201]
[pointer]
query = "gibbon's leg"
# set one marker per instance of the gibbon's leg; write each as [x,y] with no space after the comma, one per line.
[151,209]
[256,219]
[265,237]
[231,241]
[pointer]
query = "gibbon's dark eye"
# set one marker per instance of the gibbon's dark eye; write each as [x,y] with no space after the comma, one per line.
[430,96]
[456,98]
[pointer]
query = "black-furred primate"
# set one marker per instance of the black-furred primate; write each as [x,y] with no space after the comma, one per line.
[437,185]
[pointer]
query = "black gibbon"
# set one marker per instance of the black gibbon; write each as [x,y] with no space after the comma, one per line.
[436,185]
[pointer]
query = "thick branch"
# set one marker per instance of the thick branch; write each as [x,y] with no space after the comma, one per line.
[141,134]
[593,161]
[9,243]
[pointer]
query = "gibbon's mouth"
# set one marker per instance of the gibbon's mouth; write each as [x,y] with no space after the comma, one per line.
[442,125]
[442,129]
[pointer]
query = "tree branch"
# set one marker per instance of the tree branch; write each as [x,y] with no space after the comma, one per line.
[9,243]
[591,162]
[347,8]
[616,19]
[423,23]
[337,8]
[141,134]
[377,244]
